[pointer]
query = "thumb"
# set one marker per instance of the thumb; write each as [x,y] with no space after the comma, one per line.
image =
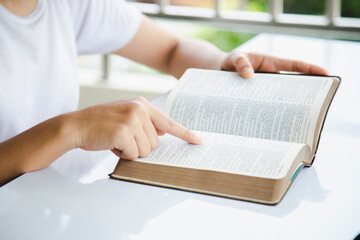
[242,64]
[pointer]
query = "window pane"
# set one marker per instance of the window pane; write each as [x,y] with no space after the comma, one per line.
[142,1]
[245,5]
[350,8]
[309,7]
[224,40]
[191,3]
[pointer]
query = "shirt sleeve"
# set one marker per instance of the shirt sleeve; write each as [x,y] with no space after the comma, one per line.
[103,26]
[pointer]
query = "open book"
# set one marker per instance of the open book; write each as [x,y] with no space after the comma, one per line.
[257,134]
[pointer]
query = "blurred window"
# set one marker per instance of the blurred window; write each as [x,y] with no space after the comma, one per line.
[309,7]
[350,8]
[245,5]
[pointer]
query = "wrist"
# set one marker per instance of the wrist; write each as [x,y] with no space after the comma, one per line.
[38,146]
[67,130]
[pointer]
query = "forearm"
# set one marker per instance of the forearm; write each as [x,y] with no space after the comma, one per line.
[35,148]
[129,128]
[162,50]
[194,53]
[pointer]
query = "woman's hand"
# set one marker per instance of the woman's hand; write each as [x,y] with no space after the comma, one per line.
[130,128]
[248,63]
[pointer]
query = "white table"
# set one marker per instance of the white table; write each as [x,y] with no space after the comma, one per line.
[75,199]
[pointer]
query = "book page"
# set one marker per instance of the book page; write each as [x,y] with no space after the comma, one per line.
[268,106]
[228,153]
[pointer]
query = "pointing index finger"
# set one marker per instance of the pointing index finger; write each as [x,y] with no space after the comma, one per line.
[167,125]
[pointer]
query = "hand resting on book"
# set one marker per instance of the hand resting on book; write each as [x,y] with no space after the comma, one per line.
[248,63]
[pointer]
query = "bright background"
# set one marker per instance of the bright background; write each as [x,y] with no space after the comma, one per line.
[127,79]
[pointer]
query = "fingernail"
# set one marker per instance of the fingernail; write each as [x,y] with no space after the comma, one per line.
[247,72]
[197,139]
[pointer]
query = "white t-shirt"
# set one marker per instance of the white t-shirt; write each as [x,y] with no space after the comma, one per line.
[38,55]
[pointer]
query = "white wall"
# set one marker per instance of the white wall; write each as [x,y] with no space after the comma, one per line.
[121,85]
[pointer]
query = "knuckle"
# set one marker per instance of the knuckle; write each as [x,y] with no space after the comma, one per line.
[134,106]
[135,109]
[130,153]
[131,156]
[170,125]
[145,152]
[154,143]
[141,99]
[187,133]
[235,54]
[241,59]
[120,133]
[296,67]
[134,156]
